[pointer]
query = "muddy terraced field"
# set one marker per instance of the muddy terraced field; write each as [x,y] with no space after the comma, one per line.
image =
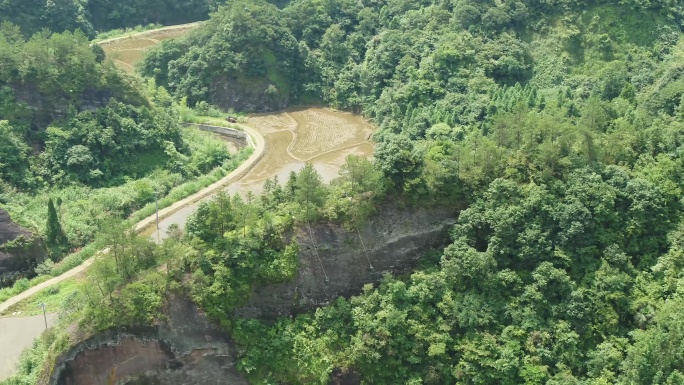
[127,51]
[320,136]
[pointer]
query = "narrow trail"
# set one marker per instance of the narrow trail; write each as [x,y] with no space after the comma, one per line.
[123,63]
[150,32]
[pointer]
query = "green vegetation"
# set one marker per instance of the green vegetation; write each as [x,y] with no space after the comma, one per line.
[125,287]
[95,16]
[113,33]
[558,124]
[54,233]
[256,48]
[95,141]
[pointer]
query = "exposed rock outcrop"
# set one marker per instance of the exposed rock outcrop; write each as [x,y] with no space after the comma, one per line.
[46,109]
[240,94]
[186,348]
[20,251]
[393,241]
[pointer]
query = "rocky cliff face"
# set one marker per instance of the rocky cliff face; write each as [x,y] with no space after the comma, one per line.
[256,95]
[20,251]
[46,109]
[335,262]
[188,349]
[185,349]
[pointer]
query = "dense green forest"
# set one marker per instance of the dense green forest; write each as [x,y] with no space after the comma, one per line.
[97,16]
[93,16]
[558,124]
[558,127]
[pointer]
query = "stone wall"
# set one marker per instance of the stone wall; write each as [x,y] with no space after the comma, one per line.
[243,94]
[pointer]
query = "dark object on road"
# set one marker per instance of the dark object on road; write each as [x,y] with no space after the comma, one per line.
[231,119]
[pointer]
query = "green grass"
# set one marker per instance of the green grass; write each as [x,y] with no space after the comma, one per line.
[190,188]
[53,297]
[20,286]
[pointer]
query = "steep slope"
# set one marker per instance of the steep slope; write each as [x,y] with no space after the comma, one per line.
[20,251]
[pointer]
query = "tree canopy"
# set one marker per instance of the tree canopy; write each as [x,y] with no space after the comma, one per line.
[557,124]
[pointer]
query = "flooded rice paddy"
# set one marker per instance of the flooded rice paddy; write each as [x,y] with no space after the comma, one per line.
[320,136]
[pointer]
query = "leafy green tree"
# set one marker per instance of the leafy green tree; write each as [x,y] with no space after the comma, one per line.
[398,161]
[13,155]
[309,192]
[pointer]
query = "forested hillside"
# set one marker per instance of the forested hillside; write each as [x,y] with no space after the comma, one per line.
[559,124]
[93,16]
[97,16]
[556,128]
[77,131]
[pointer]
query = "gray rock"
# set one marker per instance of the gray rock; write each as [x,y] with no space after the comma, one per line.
[255,95]
[393,242]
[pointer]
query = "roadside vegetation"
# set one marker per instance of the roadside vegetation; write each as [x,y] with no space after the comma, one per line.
[127,287]
[100,149]
[113,33]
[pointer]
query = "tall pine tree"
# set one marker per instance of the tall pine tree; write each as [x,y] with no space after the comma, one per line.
[56,239]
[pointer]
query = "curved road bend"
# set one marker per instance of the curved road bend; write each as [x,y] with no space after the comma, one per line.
[16,334]
[24,331]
